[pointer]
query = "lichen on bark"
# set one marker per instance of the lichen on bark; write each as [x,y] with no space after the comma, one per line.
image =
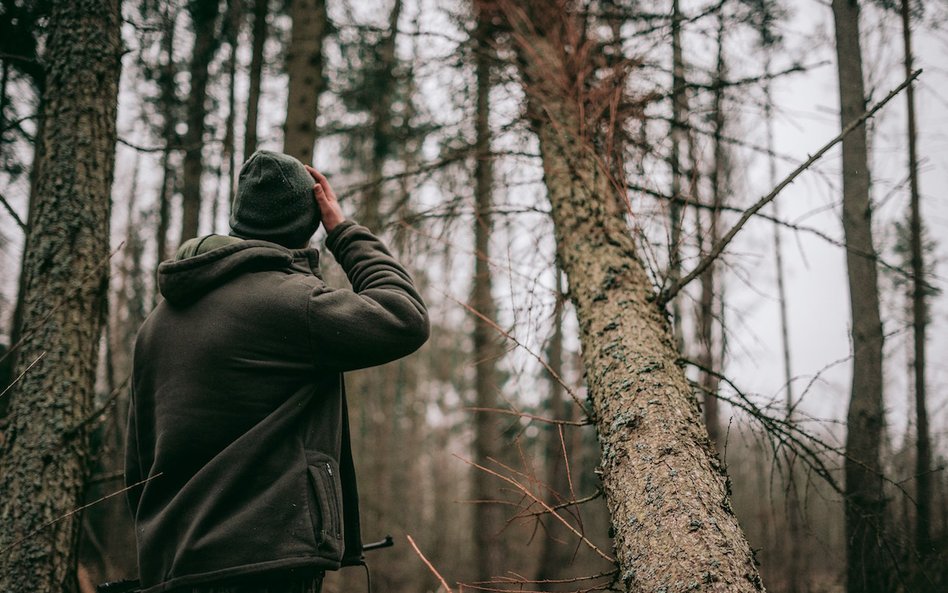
[44,455]
[667,493]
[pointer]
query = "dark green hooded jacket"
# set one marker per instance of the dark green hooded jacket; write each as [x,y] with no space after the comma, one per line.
[238,422]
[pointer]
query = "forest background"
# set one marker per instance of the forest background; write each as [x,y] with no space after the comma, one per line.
[418,113]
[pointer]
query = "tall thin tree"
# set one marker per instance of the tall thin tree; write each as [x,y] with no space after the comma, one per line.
[44,459]
[488,516]
[679,113]
[795,556]
[260,10]
[708,356]
[304,65]
[204,17]
[864,499]
[923,447]
[380,78]
[556,555]
[167,102]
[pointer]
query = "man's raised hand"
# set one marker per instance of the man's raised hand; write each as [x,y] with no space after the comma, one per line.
[326,200]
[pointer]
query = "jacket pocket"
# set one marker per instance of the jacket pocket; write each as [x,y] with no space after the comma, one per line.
[324,478]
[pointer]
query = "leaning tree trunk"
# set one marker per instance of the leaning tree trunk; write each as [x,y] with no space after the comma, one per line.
[44,458]
[203,20]
[864,501]
[304,65]
[667,493]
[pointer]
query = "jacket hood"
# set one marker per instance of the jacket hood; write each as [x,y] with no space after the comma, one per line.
[204,263]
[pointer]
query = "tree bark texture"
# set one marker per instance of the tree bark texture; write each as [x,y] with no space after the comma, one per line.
[260,9]
[488,516]
[44,458]
[864,500]
[304,64]
[203,21]
[667,493]
[923,447]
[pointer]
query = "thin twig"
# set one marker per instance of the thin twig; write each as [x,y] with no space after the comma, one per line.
[74,511]
[531,416]
[444,583]
[565,505]
[21,375]
[539,358]
[669,293]
[539,501]
[12,212]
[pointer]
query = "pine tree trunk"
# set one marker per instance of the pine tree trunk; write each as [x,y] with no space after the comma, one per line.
[203,20]
[795,555]
[260,9]
[44,458]
[168,101]
[667,494]
[557,553]
[706,314]
[382,82]
[679,113]
[864,501]
[234,23]
[304,64]
[488,516]
[923,448]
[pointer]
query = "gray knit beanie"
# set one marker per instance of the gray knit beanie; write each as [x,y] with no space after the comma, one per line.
[274,201]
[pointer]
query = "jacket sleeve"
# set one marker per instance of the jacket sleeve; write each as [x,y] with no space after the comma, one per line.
[381,319]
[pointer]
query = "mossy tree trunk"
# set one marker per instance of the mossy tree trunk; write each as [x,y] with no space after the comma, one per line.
[44,459]
[667,494]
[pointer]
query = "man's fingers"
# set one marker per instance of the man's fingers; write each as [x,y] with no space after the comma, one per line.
[316,174]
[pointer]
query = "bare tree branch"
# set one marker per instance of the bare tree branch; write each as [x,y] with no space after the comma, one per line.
[669,293]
